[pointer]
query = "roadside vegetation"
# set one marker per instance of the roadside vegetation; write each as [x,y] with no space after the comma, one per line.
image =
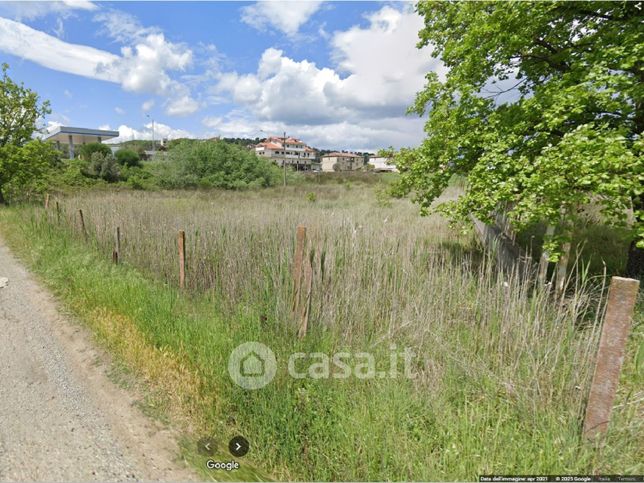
[502,373]
[502,368]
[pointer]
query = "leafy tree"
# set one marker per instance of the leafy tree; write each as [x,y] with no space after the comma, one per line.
[24,168]
[563,132]
[103,167]
[21,161]
[128,157]
[20,109]
[214,164]
[88,150]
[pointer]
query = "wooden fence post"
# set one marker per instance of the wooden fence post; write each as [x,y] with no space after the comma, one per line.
[116,254]
[181,241]
[300,241]
[622,295]
[58,212]
[82,223]
[46,200]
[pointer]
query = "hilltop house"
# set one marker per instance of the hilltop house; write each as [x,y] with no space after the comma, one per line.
[338,161]
[289,151]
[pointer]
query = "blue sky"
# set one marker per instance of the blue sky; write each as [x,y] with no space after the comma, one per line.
[336,74]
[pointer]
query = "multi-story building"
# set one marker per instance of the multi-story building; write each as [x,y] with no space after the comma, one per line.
[289,151]
[337,161]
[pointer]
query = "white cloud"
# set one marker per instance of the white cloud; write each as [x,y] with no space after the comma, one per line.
[385,68]
[59,30]
[48,51]
[369,135]
[285,16]
[147,105]
[362,101]
[29,10]
[161,131]
[181,106]
[143,66]
[51,125]
[119,110]
[122,26]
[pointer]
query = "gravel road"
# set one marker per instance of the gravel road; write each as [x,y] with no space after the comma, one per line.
[61,418]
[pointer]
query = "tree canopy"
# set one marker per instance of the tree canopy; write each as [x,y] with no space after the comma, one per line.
[88,150]
[540,109]
[20,109]
[22,160]
[214,164]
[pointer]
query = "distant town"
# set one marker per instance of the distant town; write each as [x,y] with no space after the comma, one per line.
[282,150]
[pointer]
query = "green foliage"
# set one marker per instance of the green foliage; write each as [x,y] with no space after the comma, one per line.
[103,167]
[24,168]
[70,173]
[20,109]
[214,165]
[138,178]
[383,198]
[311,197]
[486,371]
[88,150]
[570,136]
[128,157]
[138,145]
[22,162]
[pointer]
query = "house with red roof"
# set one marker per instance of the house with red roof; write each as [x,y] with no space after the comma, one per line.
[290,151]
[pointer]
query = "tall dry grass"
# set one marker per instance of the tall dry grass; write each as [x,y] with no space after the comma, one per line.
[495,355]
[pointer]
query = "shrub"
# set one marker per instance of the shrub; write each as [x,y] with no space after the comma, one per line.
[128,157]
[25,169]
[73,172]
[103,167]
[215,165]
[87,150]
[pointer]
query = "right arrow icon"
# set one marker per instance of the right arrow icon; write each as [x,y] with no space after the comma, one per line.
[238,446]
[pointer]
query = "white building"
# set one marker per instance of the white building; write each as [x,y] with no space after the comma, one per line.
[381,165]
[77,136]
[291,151]
[341,162]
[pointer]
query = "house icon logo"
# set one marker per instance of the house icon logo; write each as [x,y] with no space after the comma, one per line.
[252,365]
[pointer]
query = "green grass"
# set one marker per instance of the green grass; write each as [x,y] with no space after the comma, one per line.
[502,374]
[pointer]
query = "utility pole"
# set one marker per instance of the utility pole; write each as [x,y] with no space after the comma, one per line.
[154,148]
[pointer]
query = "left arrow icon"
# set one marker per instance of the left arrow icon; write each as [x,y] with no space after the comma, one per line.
[206,446]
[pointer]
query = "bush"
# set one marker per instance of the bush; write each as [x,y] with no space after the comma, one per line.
[87,150]
[73,172]
[128,157]
[215,165]
[24,169]
[103,167]
[137,178]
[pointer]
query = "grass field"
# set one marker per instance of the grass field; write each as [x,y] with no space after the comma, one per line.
[501,374]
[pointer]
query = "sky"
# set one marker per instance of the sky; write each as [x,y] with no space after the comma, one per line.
[338,75]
